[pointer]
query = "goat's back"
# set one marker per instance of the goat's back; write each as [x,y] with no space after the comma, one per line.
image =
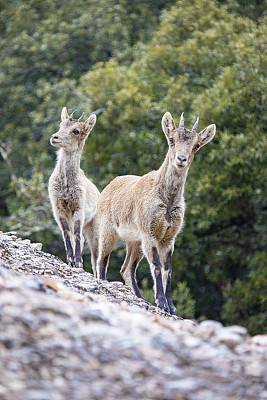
[126,199]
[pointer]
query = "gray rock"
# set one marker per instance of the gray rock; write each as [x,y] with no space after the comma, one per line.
[61,340]
[37,246]
[229,338]
[239,330]
[260,340]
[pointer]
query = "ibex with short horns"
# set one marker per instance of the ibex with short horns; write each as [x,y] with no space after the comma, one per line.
[147,212]
[73,196]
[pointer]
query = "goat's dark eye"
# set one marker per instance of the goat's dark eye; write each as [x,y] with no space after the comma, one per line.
[171,140]
[197,146]
[76,132]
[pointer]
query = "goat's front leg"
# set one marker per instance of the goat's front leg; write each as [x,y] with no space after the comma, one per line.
[152,256]
[78,239]
[107,240]
[66,232]
[91,233]
[167,282]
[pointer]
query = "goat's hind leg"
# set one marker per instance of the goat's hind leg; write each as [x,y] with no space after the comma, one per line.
[91,233]
[133,257]
[107,240]
[78,239]
[167,282]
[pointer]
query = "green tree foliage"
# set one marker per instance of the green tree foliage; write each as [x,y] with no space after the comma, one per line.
[205,58]
[46,46]
[245,298]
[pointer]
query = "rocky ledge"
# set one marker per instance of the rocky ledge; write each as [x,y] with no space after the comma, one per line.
[66,336]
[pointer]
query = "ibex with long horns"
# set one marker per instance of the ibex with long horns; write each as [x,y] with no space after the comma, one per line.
[73,196]
[147,212]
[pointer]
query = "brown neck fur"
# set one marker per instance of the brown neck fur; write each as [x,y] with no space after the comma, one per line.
[69,160]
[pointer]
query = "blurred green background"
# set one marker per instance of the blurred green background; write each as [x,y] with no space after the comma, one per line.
[131,61]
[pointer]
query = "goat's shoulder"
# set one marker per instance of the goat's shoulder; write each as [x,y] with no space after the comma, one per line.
[149,181]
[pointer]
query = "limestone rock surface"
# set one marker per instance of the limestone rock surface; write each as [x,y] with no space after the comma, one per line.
[66,336]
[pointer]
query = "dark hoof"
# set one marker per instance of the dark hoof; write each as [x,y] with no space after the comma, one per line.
[173,310]
[139,295]
[145,301]
[79,265]
[171,307]
[71,263]
[163,305]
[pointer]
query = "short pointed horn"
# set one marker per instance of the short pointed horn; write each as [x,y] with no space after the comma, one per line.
[181,125]
[71,115]
[81,117]
[195,125]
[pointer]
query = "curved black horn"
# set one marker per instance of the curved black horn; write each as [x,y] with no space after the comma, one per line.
[81,117]
[71,115]
[195,125]
[181,125]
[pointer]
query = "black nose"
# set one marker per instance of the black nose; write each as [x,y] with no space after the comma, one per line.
[182,158]
[54,137]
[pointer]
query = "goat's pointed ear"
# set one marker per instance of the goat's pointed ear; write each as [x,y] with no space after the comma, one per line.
[64,114]
[206,135]
[90,123]
[168,124]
